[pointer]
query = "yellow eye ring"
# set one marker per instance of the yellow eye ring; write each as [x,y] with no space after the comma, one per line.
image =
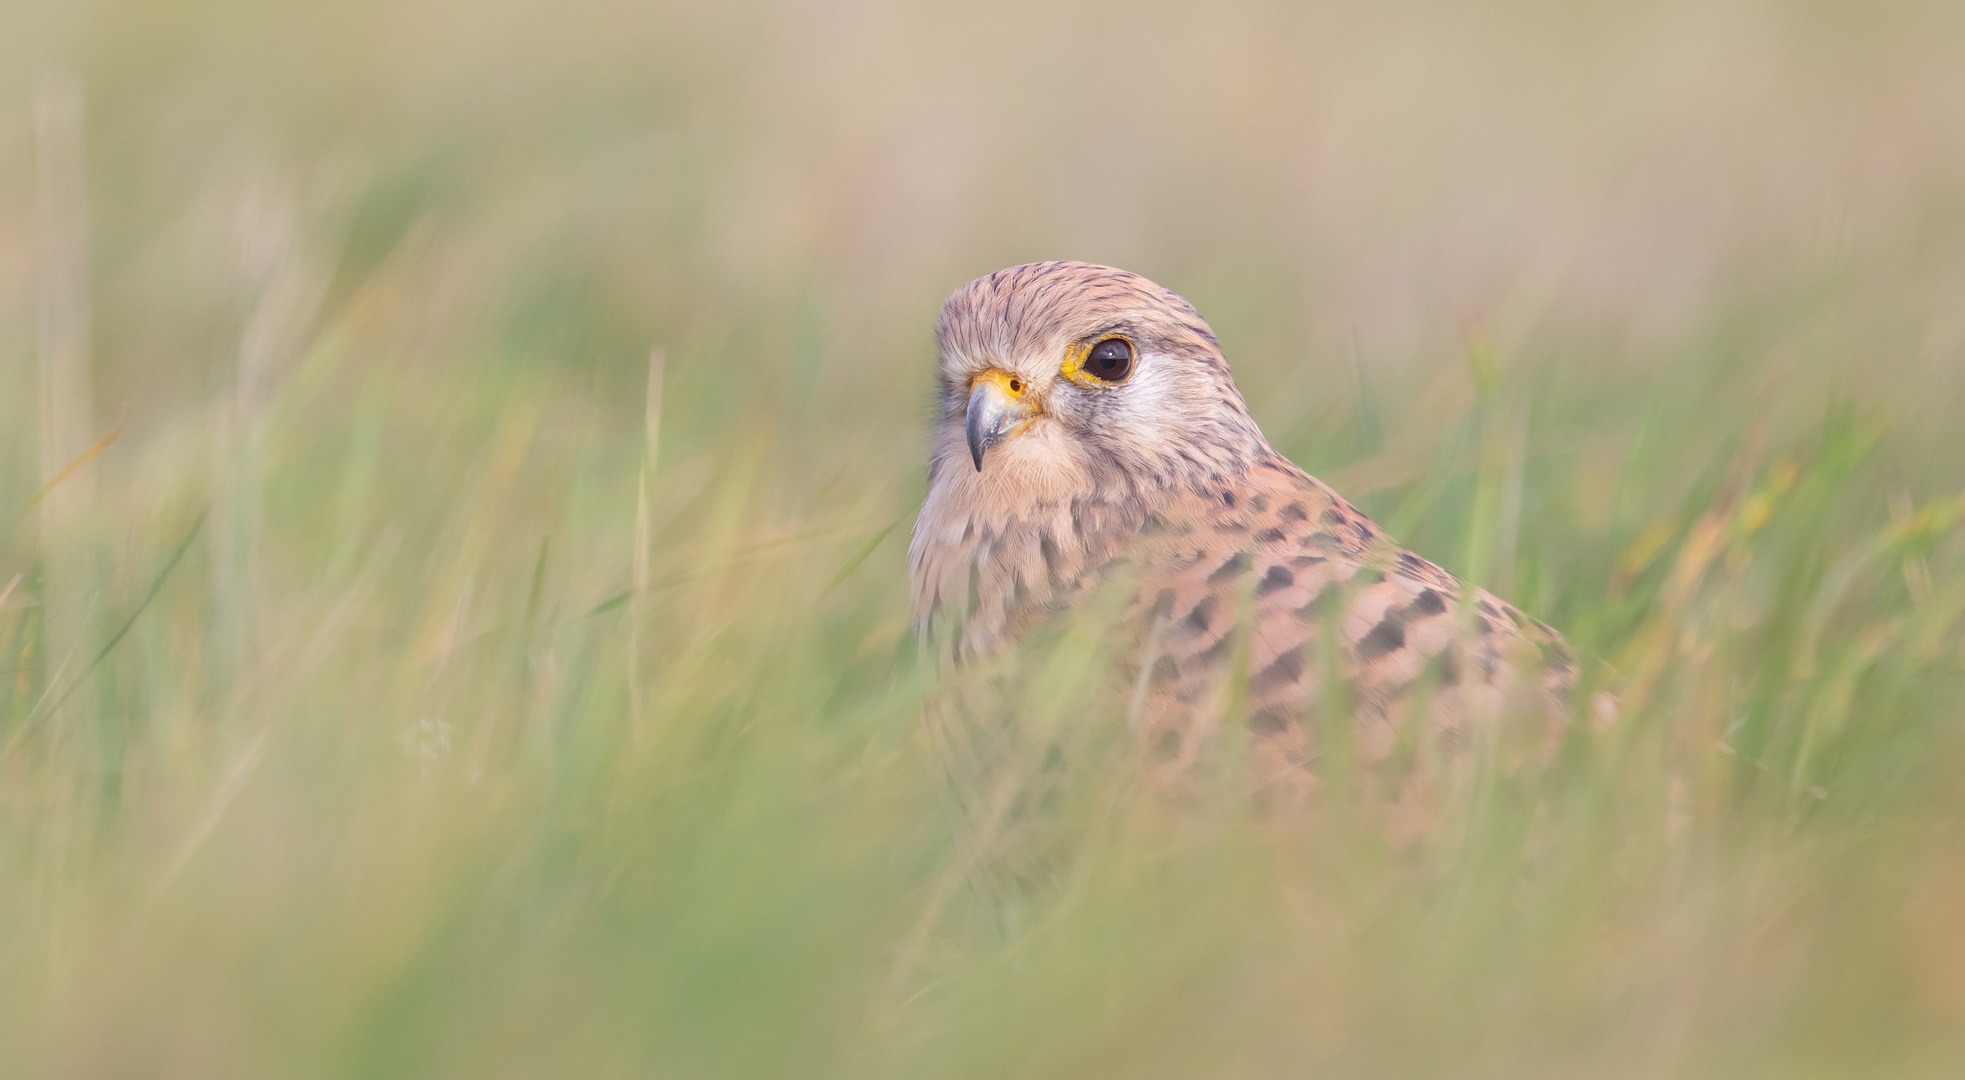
[1104,361]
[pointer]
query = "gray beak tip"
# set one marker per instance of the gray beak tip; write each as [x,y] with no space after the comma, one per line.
[978,427]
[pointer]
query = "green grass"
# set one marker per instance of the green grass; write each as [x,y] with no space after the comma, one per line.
[344,731]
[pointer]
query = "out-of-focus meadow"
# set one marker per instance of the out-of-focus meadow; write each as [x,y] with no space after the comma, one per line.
[397,687]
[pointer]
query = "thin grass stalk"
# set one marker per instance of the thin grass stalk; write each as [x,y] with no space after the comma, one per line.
[644,534]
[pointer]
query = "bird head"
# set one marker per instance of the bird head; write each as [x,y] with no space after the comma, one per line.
[1064,377]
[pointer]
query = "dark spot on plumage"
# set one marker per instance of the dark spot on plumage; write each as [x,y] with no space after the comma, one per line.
[1484,626]
[1559,662]
[1213,653]
[1236,563]
[1426,603]
[1259,502]
[1321,604]
[1321,542]
[1019,592]
[1168,744]
[1364,530]
[1269,721]
[1285,670]
[1486,608]
[1227,498]
[1269,536]
[1331,517]
[1413,564]
[1276,577]
[1450,667]
[1294,512]
[1200,615]
[1307,560]
[1388,635]
[1164,671]
[1053,559]
[1163,603]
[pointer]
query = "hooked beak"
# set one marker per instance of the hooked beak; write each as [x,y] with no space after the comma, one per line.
[998,410]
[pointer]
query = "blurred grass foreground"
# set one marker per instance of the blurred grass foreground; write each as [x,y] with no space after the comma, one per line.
[402,675]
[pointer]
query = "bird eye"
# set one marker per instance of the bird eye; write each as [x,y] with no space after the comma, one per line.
[1110,360]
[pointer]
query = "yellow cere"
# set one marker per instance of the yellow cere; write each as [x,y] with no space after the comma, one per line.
[1010,384]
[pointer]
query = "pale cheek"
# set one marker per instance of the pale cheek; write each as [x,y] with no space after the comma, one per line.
[1147,416]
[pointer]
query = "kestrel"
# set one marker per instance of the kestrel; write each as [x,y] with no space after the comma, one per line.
[1089,427]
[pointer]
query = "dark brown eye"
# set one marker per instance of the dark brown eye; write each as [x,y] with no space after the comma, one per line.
[1110,360]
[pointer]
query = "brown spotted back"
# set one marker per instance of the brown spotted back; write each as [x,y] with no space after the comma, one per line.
[1282,587]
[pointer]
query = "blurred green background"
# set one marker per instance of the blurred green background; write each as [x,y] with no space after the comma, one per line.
[391,685]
